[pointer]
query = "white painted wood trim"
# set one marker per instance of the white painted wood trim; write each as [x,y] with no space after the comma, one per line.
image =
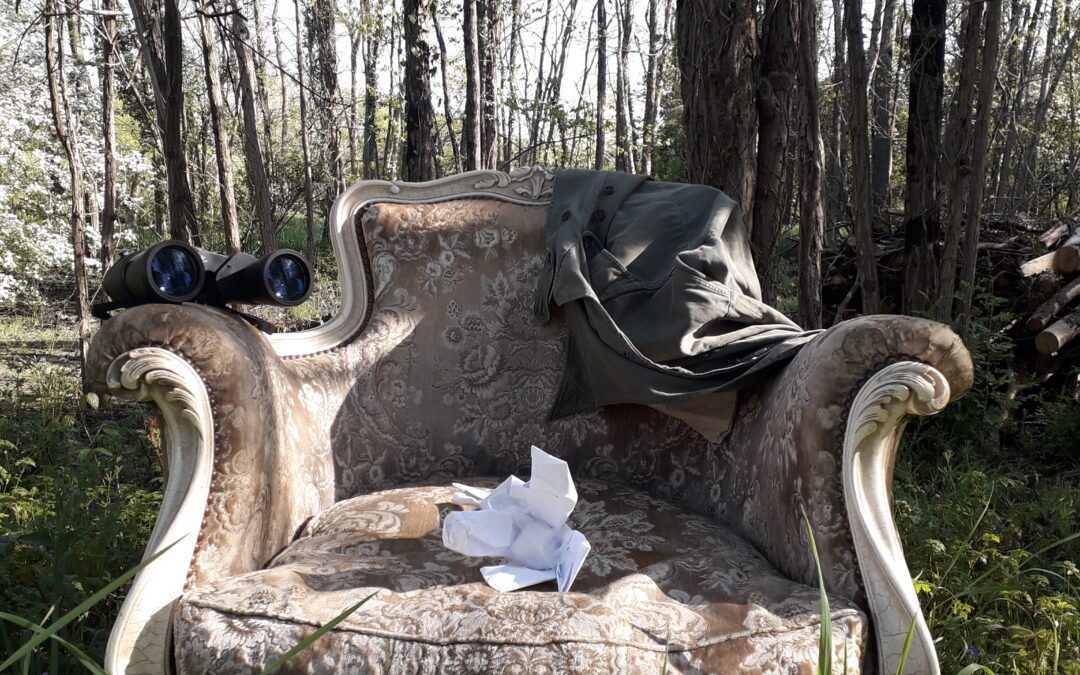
[139,641]
[527,185]
[875,423]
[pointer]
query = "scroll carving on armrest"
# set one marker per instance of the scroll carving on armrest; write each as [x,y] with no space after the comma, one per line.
[822,437]
[241,475]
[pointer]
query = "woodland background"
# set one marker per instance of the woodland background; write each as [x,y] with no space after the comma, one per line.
[915,156]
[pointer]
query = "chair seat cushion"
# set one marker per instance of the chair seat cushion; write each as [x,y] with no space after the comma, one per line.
[661,587]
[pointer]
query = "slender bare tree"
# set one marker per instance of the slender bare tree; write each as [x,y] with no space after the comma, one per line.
[471,129]
[256,168]
[309,193]
[601,81]
[419,162]
[162,46]
[858,128]
[811,171]
[107,30]
[780,35]
[64,125]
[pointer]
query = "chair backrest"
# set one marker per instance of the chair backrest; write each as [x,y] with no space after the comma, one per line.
[453,375]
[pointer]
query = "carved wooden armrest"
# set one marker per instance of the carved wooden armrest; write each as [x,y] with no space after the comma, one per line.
[242,473]
[822,437]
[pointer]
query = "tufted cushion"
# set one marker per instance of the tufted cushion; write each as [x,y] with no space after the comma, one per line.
[660,586]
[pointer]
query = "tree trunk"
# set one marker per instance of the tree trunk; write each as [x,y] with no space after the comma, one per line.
[811,177]
[163,50]
[309,195]
[64,125]
[371,95]
[718,63]
[836,176]
[653,80]
[419,163]
[222,145]
[776,93]
[960,171]
[487,19]
[601,81]
[981,135]
[881,131]
[263,94]
[276,32]
[355,43]
[515,42]
[540,95]
[108,129]
[1016,108]
[623,159]
[858,122]
[447,113]
[922,219]
[320,19]
[471,129]
[256,170]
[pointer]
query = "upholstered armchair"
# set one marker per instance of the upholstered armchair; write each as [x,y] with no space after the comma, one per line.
[308,471]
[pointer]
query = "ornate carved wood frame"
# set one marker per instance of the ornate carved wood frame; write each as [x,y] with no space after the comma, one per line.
[139,642]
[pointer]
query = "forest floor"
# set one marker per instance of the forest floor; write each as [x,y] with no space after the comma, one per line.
[990,532]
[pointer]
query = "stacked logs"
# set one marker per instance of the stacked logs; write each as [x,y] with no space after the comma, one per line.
[1057,320]
[1028,269]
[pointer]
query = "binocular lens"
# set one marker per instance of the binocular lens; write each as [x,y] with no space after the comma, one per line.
[175,271]
[288,278]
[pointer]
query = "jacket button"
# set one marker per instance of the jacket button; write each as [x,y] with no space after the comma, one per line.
[608,190]
[565,216]
[599,214]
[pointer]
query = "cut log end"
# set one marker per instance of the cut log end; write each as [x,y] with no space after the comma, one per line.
[1058,334]
[1065,260]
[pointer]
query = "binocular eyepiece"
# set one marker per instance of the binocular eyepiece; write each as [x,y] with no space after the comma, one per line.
[174,272]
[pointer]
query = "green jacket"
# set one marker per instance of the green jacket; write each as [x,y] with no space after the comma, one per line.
[659,291]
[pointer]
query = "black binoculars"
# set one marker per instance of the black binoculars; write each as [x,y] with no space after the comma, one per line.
[174,272]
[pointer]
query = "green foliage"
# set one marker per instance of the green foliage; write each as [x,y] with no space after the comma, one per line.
[990,517]
[79,491]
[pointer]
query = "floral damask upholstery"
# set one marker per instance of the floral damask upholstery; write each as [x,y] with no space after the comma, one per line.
[662,587]
[451,377]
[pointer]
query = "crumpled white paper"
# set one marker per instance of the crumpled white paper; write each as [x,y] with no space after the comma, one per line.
[523,522]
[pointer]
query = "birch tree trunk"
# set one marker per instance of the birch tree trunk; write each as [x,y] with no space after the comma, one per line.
[222,144]
[858,122]
[419,163]
[256,169]
[922,219]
